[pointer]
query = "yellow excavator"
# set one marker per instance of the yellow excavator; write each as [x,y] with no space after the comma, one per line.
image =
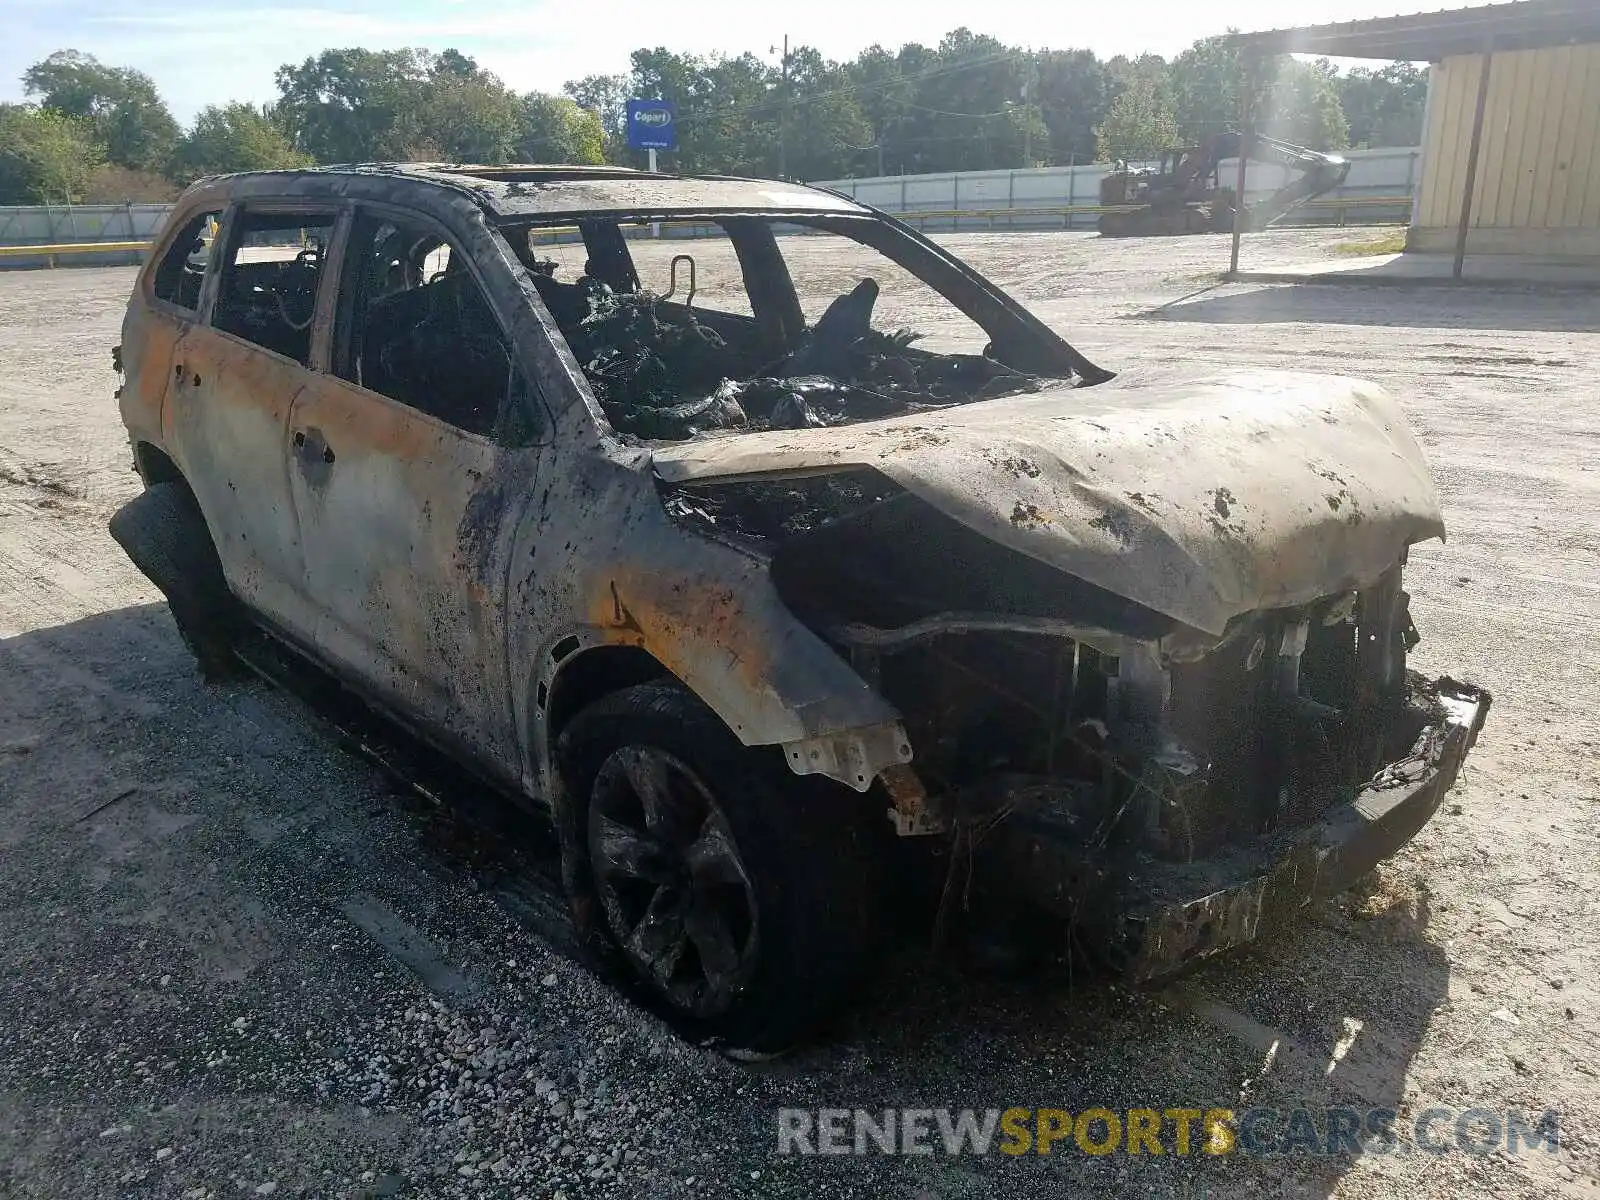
[1185,194]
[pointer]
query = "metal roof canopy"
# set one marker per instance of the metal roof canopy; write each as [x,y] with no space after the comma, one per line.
[1428,37]
[1521,25]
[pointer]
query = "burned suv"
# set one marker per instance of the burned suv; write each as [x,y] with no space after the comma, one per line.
[755,589]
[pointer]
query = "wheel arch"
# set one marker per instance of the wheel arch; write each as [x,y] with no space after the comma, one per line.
[156,466]
[579,670]
[587,674]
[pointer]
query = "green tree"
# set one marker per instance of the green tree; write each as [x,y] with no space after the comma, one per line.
[355,105]
[964,107]
[120,105]
[1384,107]
[1304,107]
[880,92]
[734,127]
[605,96]
[826,129]
[46,157]
[1293,101]
[234,137]
[1073,94]
[467,114]
[1205,84]
[556,130]
[1140,123]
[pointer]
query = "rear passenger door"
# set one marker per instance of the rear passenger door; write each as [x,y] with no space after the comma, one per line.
[408,463]
[233,380]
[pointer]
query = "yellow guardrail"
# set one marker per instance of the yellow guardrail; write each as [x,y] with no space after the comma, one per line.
[68,249]
[65,249]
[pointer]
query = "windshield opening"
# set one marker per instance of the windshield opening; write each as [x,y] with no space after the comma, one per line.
[688,325]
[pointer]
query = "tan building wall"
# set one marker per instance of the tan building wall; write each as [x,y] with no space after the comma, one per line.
[1538,183]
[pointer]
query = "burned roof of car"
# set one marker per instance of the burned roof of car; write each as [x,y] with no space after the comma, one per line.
[539,192]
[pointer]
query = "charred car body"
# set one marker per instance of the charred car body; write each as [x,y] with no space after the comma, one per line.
[741,593]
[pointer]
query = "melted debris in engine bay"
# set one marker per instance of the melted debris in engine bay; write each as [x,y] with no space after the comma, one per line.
[669,376]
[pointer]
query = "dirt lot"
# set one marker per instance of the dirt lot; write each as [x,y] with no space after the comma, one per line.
[235,963]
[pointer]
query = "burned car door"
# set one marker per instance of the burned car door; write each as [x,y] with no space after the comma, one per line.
[167,303]
[232,383]
[407,466]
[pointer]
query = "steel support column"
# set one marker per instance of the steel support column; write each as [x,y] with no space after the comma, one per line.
[1247,87]
[1473,148]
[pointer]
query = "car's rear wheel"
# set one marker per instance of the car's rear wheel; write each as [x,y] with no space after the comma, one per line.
[164,534]
[740,899]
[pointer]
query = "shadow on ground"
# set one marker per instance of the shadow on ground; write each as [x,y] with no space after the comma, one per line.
[1476,307]
[229,827]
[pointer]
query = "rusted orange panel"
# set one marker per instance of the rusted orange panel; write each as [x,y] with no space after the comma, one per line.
[679,619]
[377,427]
[147,387]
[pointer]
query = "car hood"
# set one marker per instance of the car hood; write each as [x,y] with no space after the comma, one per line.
[1201,499]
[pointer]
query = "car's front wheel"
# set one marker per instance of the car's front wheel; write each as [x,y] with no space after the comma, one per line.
[742,899]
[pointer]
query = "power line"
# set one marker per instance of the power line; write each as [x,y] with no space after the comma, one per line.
[938,112]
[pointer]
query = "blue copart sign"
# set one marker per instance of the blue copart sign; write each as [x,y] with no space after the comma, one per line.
[652,125]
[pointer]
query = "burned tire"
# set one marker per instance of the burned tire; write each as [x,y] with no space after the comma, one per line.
[164,534]
[739,900]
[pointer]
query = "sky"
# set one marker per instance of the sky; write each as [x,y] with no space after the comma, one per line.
[221,50]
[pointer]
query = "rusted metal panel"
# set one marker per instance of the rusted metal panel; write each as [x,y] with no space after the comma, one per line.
[401,532]
[1202,500]
[227,414]
[148,340]
[598,560]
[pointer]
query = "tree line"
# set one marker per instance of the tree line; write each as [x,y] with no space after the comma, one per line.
[91,132]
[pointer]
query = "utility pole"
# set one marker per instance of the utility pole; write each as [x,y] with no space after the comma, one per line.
[783,116]
[1027,126]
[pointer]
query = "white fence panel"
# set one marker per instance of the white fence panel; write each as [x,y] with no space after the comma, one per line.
[1008,195]
[1388,172]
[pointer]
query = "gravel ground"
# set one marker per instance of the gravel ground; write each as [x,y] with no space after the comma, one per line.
[237,963]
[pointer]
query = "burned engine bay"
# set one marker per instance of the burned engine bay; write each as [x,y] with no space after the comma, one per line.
[663,372]
[1047,725]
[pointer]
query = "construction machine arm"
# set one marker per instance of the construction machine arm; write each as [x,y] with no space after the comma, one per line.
[1318,172]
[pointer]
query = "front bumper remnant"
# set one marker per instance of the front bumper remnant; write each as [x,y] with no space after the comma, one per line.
[1152,919]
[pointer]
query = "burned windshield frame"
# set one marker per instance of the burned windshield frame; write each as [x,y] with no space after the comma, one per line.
[1018,337]
[663,369]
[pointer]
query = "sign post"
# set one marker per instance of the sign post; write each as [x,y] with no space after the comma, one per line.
[652,126]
